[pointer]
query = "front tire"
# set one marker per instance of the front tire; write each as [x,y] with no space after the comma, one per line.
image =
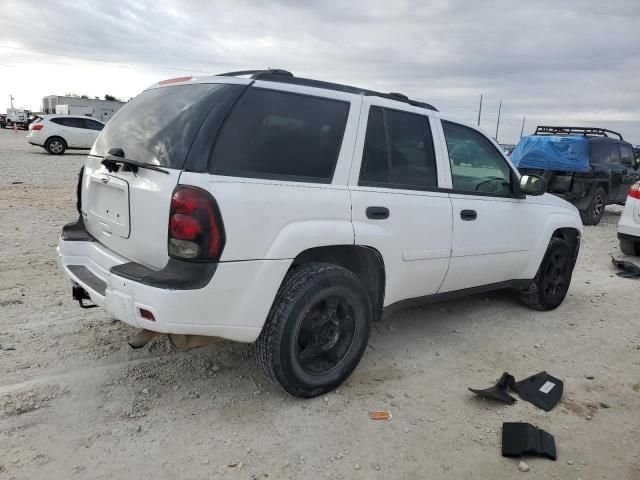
[317,330]
[551,284]
[55,146]
[595,211]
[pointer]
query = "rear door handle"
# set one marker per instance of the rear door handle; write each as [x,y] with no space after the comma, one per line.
[468,215]
[377,213]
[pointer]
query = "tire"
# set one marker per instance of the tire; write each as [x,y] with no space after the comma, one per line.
[317,330]
[55,146]
[594,212]
[551,284]
[629,247]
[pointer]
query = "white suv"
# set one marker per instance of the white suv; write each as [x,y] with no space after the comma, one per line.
[57,133]
[629,224]
[293,213]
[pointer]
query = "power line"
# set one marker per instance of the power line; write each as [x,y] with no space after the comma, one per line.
[100,60]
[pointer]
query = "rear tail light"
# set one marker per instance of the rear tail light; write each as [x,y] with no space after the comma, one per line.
[196,231]
[37,126]
[634,191]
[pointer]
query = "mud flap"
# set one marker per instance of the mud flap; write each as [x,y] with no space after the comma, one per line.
[524,439]
[541,389]
[499,391]
[630,269]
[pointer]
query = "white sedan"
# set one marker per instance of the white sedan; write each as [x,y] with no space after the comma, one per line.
[57,133]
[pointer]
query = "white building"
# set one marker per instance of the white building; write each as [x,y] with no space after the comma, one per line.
[101,110]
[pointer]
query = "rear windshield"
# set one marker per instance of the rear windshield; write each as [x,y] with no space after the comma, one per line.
[158,126]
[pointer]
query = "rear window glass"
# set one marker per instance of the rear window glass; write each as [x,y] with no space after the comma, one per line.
[289,136]
[398,150]
[159,125]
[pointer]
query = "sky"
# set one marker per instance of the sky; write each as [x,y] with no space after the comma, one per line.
[571,63]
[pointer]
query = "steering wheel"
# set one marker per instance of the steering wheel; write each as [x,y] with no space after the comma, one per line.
[491,182]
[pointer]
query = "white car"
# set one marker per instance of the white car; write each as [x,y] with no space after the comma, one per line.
[294,213]
[629,224]
[57,133]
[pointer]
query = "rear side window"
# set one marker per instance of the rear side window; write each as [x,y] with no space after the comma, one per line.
[272,134]
[626,155]
[398,151]
[159,125]
[92,124]
[604,152]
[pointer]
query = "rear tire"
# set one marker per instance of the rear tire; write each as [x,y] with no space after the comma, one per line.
[317,330]
[551,284]
[594,212]
[630,247]
[55,146]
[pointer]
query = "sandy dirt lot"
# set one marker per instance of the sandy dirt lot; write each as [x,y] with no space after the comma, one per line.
[77,402]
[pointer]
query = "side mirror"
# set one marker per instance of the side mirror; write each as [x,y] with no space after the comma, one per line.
[532,185]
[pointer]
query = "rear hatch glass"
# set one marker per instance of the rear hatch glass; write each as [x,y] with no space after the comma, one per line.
[158,126]
[126,211]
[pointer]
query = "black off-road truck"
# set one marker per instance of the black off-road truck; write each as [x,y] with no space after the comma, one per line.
[612,167]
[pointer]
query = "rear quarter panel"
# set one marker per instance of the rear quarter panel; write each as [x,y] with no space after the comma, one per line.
[269,219]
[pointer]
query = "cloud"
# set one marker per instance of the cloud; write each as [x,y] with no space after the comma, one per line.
[553,61]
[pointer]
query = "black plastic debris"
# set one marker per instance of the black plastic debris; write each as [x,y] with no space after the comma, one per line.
[630,269]
[541,389]
[524,439]
[499,391]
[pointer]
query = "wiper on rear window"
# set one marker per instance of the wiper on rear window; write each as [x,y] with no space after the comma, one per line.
[115,158]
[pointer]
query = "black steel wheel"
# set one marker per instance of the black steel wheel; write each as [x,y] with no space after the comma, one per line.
[325,335]
[551,284]
[317,330]
[595,211]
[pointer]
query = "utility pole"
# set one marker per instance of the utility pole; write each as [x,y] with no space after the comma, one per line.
[12,98]
[480,110]
[498,123]
[522,129]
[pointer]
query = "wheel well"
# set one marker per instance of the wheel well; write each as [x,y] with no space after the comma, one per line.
[572,237]
[56,136]
[365,262]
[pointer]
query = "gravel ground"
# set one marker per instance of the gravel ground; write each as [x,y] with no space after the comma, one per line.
[77,402]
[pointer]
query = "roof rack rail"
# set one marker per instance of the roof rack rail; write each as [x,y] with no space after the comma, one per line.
[255,73]
[284,76]
[546,130]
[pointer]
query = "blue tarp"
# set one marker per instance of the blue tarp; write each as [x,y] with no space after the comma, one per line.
[567,153]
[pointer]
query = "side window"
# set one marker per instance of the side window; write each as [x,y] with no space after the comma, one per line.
[398,150]
[272,134]
[93,125]
[69,122]
[614,153]
[626,155]
[476,165]
[375,161]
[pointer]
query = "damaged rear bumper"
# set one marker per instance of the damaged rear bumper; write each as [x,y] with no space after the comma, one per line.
[232,303]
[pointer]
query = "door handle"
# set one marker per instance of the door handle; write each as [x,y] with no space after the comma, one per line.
[468,215]
[377,213]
